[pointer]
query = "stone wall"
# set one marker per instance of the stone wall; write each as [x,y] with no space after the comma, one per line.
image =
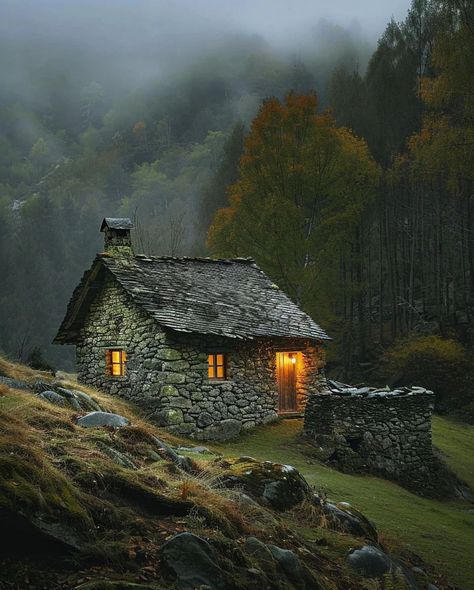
[386,435]
[166,372]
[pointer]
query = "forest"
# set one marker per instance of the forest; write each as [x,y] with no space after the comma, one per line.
[346,170]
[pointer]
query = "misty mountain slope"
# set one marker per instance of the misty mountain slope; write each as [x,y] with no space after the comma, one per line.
[105,113]
[80,505]
[144,109]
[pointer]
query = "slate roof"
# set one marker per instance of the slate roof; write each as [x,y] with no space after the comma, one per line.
[117,223]
[226,297]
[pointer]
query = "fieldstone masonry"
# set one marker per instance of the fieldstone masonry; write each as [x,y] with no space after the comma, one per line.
[168,315]
[389,435]
[166,371]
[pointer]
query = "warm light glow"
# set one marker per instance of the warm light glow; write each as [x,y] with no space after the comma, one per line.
[115,362]
[293,360]
[216,366]
[116,369]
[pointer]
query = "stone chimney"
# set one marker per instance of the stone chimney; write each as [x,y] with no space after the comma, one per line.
[117,239]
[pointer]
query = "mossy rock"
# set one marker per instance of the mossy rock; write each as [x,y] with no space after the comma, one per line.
[342,517]
[280,486]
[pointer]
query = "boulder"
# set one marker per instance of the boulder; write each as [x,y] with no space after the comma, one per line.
[15,383]
[342,517]
[40,386]
[98,419]
[68,397]
[60,396]
[86,401]
[370,561]
[221,431]
[199,450]
[299,576]
[191,562]
[37,534]
[270,417]
[79,399]
[258,550]
[168,417]
[116,456]
[169,453]
[53,398]
[280,486]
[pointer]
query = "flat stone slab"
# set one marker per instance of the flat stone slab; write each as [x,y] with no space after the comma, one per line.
[98,419]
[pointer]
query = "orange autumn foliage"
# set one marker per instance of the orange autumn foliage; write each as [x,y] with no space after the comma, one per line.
[303,186]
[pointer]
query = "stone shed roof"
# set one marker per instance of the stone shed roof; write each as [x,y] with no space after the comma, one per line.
[116,223]
[226,297]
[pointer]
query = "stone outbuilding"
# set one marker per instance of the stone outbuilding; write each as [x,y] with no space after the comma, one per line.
[206,346]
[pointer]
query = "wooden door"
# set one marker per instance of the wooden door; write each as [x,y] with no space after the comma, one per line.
[286,380]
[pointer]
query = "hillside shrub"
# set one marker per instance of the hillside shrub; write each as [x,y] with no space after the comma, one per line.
[439,364]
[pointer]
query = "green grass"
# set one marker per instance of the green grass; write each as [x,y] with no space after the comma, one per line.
[441,532]
[456,442]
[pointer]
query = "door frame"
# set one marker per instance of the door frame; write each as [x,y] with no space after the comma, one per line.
[287,380]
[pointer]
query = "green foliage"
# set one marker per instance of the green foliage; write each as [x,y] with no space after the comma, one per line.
[435,363]
[293,214]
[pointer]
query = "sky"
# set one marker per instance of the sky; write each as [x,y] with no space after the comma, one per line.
[274,19]
[139,40]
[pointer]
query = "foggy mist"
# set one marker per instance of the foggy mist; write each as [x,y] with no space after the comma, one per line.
[146,38]
[140,108]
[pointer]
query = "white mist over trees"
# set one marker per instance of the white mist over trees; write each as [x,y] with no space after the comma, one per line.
[137,108]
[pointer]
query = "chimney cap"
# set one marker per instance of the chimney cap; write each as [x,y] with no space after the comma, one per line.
[116,223]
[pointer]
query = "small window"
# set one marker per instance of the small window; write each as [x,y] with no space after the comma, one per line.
[217,366]
[115,362]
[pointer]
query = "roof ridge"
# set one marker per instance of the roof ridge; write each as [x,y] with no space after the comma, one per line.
[241,259]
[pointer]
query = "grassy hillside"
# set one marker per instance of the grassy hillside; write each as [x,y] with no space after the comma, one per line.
[79,505]
[441,532]
[456,441]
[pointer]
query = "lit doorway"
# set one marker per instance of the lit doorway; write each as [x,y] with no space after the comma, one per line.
[287,371]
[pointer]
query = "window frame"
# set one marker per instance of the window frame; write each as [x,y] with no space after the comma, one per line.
[110,363]
[215,366]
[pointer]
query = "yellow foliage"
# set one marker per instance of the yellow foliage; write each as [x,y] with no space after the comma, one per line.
[430,361]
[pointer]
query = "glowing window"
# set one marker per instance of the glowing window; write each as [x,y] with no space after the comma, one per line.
[216,366]
[115,360]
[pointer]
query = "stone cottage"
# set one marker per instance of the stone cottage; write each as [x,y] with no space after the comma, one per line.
[207,347]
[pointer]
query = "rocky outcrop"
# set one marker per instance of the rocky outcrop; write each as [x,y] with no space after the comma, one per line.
[114,509]
[57,394]
[371,562]
[191,563]
[343,517]
[281,487]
